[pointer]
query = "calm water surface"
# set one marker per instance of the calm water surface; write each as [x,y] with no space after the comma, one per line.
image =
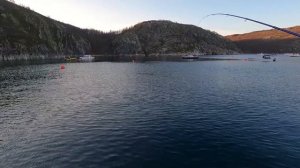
[151,115]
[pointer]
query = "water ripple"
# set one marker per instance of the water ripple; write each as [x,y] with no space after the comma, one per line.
[167,114]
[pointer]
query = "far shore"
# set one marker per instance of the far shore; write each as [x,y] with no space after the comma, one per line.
[49,59]
[102,57]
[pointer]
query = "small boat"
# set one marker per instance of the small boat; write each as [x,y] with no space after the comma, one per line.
[71,59]
[267,56]
[190,57]
[86,58]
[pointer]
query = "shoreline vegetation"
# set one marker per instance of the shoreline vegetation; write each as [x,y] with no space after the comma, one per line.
[26,59]
[138,58]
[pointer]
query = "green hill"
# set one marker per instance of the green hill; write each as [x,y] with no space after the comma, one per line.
[163,37]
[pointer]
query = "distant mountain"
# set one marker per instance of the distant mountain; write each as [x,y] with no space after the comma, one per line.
[268,41]
[27,34]
[161,37]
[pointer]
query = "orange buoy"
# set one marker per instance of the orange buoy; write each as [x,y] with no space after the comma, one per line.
[62,66]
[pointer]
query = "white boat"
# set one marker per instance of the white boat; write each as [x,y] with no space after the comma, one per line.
[87,58]
[190,57]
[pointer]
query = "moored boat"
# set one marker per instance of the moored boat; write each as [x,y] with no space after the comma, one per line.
[71,59]
[266,56]
[87,58]
[190,57]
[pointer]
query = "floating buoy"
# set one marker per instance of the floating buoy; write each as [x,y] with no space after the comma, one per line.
[62,66]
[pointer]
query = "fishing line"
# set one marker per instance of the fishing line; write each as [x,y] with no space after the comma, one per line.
[255,21]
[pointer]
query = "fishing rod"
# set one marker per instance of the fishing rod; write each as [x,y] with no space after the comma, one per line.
[240,17]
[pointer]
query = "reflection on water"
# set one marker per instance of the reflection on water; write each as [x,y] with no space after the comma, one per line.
[156,114]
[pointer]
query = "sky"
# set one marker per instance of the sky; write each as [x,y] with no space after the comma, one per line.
[111,15]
